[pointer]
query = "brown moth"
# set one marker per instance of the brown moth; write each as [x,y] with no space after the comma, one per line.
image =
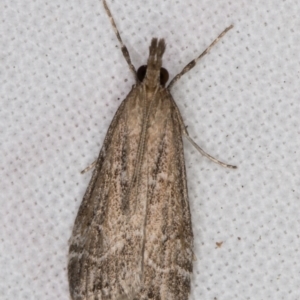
[132,237]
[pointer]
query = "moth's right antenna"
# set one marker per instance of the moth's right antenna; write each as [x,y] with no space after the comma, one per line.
[191,64]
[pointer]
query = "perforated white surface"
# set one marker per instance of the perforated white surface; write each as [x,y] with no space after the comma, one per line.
[63,77]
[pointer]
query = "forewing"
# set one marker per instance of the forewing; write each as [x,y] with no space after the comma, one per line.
[132,237]
[97,233]
[168,233]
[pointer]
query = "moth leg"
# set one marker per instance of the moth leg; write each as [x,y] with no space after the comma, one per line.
[91,166]
[206,154]
[191,64]
[123,47]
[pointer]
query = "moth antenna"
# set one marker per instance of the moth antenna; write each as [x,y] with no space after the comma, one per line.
[123,47]
[191,64]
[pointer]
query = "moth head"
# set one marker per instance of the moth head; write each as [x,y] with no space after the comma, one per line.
[163,74]
[153,74]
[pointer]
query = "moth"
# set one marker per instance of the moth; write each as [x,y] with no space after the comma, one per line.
[132,238]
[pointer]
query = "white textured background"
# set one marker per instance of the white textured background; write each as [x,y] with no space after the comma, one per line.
[63,77]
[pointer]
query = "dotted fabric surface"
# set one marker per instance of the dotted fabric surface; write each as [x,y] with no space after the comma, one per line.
[62,78]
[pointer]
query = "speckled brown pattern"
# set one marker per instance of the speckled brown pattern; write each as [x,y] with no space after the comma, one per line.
[132,238]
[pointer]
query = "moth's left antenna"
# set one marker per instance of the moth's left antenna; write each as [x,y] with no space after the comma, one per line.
[123,47]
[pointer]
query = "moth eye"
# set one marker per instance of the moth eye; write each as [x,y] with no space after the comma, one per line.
[164,76]
[141,73]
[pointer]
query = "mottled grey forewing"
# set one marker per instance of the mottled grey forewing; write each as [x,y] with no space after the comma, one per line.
[90,240]
[169,240]
[132,236]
